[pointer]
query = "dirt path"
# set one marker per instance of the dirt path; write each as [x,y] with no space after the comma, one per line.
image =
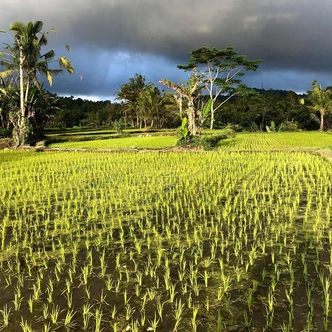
[326,153]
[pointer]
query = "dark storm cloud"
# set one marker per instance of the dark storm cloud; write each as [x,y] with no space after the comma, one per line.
[112,39]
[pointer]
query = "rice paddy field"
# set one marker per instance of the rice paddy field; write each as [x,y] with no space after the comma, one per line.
[229,240]
[242,141]
[149,142]
[277,141]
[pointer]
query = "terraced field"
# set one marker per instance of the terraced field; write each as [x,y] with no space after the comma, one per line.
[196,241]
[277,141]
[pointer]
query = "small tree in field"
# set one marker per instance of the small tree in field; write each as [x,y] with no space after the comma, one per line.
[221,71]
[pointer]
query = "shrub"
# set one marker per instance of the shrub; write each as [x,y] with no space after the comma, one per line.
[5,132]
[206,142]
[289,126]
[119,125]
[237,128]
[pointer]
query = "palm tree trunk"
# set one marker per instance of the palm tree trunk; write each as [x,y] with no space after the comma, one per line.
[321,127]
[27,92]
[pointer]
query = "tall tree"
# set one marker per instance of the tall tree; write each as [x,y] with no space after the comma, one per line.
[320,101]
[130,93]
[154,106]
[188,92]
[221,70]
[27,57]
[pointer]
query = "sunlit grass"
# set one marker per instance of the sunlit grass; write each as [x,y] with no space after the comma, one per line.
[242,141]
[165,241]
[277,141]
[122,143]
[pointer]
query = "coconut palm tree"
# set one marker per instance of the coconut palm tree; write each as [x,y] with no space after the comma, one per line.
[130,94]
[321,101]
[26,56]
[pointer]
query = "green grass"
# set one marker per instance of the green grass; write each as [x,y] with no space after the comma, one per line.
[107,132]
[122,143]
[242,141]
[132,237]
[277,141]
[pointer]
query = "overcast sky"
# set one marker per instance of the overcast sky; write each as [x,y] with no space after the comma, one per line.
[111,40]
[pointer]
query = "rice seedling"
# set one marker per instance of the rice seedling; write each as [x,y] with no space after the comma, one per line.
[98,316]
[178,312]
[5,312]
[129,311]
[69,323]
[221,234]
[54,314]
[47,327]
[153,324]
[26,327]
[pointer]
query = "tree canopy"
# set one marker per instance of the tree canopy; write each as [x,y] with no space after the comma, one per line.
[221,71]
[320,101]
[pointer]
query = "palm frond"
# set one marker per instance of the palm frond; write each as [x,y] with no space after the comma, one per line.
[6,73]
[49,77]
[66,64]
[18,27]
[48,56]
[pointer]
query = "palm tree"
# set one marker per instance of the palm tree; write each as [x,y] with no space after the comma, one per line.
[321,101]
[130,93]
[26,55]
[154,106]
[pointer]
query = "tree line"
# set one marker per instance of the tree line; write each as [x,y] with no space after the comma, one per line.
[254,112]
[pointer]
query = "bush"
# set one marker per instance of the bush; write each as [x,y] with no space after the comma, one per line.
[119,125]
[206,142]
[289,126]
[237,128]
[5,132]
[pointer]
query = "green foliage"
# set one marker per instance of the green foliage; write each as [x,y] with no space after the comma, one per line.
[27,58]
[204,113]
[5,132]
[320,101]
[118,125]
[183,130]
[272,128]
[284,126]
[220,60]
[289,126]
[237,128]
[152,241]
[144,105]
[139,142]
[188,92]
[206,142]
[207,109]
[221,72]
